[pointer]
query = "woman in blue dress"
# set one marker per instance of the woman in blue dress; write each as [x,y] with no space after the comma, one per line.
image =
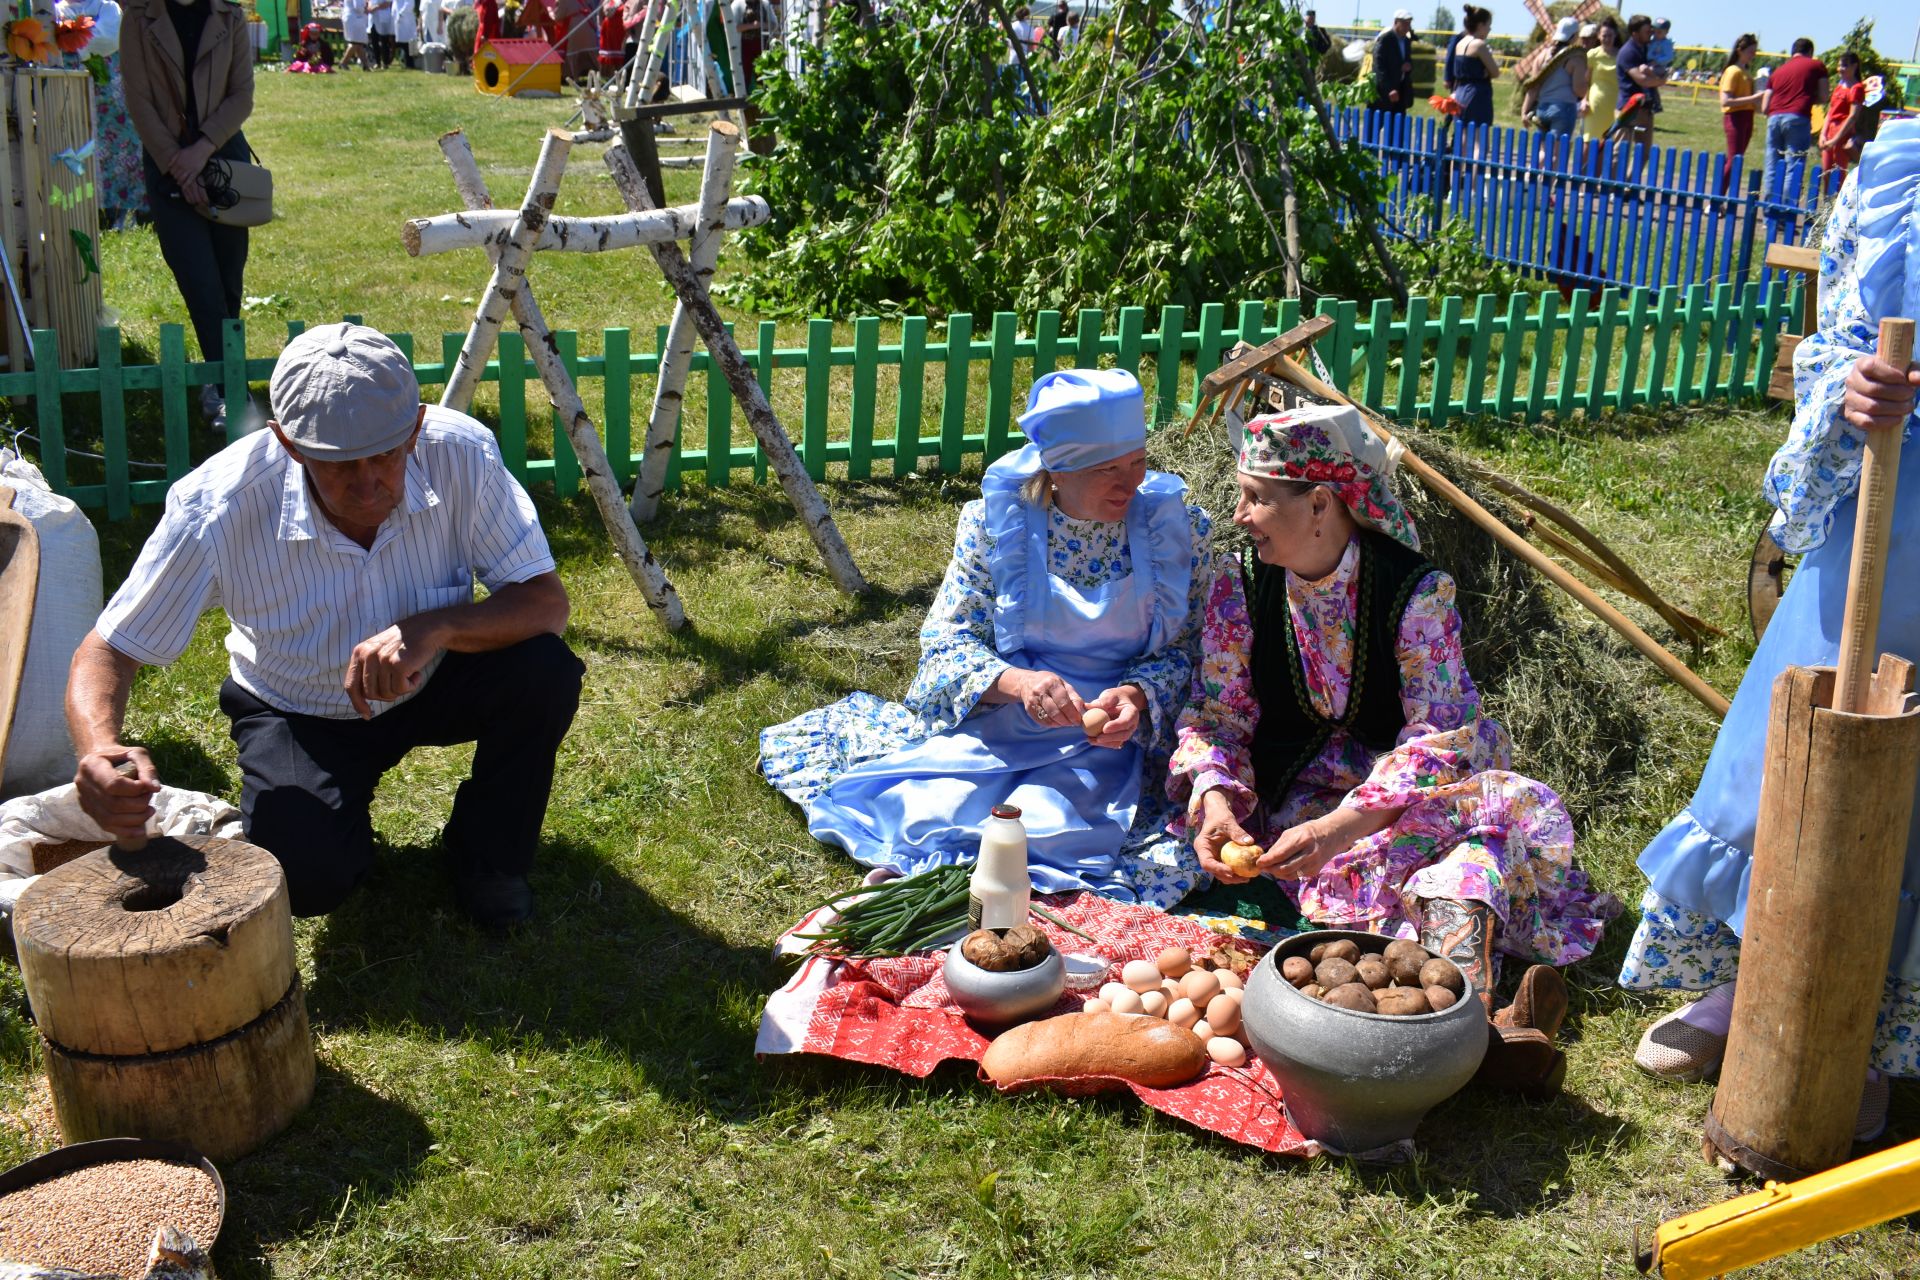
[1472,68]
[1698,868]
[1074,584]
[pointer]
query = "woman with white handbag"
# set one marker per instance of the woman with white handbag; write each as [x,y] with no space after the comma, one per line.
[188,70]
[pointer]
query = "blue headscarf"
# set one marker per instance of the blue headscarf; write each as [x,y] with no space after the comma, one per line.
[1080,418]
[1888,185]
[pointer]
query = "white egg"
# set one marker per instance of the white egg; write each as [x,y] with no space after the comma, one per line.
[1228,1053]
[1095,1005]
[1154,1003]
[1141,975]
[1183,1013]
[1202,1030]
[1113,991]
[1172,987]
[1128,1002]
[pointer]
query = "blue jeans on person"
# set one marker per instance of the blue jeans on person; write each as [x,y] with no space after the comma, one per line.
[1789,138]
[1559,117]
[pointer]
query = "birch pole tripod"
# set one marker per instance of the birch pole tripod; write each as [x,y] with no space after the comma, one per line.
[511,241]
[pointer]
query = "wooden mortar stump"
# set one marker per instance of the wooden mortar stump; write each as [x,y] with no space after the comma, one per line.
[224,1098]
[142,953]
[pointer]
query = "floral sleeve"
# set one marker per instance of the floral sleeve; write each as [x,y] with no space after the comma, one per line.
[1215,732]
[958,662]
[1166,674]
[1818,467]
[1445,738]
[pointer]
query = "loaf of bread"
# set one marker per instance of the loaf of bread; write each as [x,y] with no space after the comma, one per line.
[1146,1051]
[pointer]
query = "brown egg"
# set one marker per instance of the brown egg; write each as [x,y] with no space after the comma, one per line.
[1127,1002]
[1094,721]
[1096,1005]
[1140,975]
[1174,962]
[1154,1003]
[1183,1013]
[1227,1052]
[1200,986]
[1230,980]
[1223,1014]
[1203,1029]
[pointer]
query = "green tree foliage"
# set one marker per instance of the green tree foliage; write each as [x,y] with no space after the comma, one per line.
[1442,19]
[1859,40]
[912,172]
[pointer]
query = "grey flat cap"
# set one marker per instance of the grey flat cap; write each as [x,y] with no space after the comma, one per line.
[344,391]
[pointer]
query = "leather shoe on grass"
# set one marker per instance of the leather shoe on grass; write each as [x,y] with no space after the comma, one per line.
[495,899]
[1540,1002]
[1522,1060]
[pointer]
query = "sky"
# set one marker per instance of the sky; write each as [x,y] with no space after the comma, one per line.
[1705,22]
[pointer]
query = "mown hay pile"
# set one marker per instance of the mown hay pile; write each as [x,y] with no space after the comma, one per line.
[1577,700]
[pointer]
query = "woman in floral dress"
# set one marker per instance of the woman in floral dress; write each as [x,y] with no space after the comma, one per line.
[1334,725]
[116,150]
[1073,585]
[1698,867]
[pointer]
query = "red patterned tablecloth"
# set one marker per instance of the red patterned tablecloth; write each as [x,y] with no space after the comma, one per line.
[897,1013]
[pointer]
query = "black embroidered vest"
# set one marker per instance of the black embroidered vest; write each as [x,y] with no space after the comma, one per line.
[1290,732]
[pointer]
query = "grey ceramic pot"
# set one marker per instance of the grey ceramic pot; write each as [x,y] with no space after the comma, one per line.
[1000,998]
[1357,1081]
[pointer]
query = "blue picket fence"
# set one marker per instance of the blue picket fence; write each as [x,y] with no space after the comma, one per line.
[1586,212]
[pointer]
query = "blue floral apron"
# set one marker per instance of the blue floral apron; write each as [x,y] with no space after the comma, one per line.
[923,805]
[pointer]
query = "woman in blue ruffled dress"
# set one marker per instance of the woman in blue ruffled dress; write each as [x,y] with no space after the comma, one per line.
[1699,866]
[1075,584]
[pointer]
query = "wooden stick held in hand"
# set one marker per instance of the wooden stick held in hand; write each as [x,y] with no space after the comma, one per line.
[1872,531]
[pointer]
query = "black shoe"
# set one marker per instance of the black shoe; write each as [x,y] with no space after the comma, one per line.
[495,899]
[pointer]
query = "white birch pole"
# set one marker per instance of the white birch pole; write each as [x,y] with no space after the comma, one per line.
[709,66]
[746,388]
[703,250]
[638,64]
[656,59]
[641,566]
[489,229]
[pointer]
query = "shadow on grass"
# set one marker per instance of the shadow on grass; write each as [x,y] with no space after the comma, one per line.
[184,763]
[349,1150]
[604,965]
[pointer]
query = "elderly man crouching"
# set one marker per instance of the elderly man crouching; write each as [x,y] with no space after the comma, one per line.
[343,544]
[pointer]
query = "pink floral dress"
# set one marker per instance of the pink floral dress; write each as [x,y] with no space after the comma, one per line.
[1471,830]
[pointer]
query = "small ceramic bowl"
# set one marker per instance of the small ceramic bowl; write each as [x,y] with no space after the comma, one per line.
[1000,998]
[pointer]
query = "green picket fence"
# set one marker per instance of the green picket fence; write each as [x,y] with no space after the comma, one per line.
[1516,358]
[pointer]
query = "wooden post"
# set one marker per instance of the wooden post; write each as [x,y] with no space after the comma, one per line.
[740,378]
[640,563]
[670,387]
[1836,806]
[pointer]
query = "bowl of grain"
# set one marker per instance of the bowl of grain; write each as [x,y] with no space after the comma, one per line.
[95,1207]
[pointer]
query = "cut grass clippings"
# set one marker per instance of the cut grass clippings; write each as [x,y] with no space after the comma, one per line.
[582,1099]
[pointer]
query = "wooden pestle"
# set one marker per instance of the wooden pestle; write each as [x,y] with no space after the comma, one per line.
[1873,524]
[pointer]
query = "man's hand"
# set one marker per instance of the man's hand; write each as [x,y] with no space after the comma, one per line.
[1217,827]
[119,803]
[388,666]
[1125,707]
[1878,394]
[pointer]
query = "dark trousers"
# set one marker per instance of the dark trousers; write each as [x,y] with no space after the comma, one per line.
[307,782]
[208,260]
[382,47]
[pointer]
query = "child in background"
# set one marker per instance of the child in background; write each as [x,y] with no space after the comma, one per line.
[1660,52]
[313,57]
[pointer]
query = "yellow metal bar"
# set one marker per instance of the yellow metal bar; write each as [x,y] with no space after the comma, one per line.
[1783,1217]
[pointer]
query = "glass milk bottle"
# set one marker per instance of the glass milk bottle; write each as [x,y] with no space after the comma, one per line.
[998,893]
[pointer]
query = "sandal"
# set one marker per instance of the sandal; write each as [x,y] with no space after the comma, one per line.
[1676,1050]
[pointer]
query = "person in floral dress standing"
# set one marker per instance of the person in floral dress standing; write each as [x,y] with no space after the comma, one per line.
[116,151]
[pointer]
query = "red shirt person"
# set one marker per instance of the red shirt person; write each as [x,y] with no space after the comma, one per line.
[1838,145]
[1795,86]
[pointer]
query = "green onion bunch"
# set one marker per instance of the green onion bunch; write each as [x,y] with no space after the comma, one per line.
[896,917]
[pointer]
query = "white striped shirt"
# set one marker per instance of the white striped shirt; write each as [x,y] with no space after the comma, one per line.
[241,531]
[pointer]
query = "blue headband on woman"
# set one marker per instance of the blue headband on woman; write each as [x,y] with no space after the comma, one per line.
[1888,259]
[1080,418]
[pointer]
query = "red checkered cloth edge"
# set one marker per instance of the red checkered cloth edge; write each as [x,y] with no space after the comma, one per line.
[897,1014]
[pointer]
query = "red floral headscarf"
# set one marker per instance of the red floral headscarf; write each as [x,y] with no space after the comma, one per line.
[1331,445]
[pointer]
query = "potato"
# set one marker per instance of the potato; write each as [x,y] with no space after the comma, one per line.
[1241,859]
[1335,972]
[1297,969]
[1404,967]
[1314,991]
[1373,972]
[1439,998]
[1352,995]
[1319,952]
[1344,949]
[1404,947]
[1174,962]
[1442,973]
[1402,1002]
[1020,947]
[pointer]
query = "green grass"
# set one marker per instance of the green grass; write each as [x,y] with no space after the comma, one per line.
[582,1099]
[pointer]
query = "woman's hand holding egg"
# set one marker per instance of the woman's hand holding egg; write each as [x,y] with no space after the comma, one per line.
[1219,829]
[1112,718]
